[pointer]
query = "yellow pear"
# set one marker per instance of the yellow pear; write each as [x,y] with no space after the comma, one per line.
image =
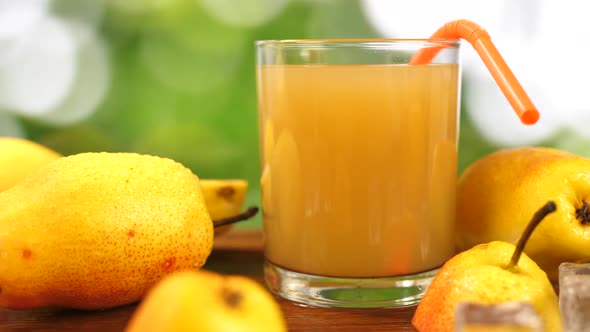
[498,191]
[19,158]
[490,273]
[224,198]
[207,301]
[97,230]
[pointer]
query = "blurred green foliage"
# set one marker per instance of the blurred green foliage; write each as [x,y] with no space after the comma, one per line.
[183,85]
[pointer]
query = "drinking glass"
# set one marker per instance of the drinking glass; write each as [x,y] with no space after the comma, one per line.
[359,168]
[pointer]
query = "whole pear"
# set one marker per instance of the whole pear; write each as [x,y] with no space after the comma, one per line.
[490,273]
[497,192]
[97,230]
[207,301]
[19,158]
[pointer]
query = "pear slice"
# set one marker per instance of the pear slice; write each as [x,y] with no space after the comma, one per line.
[224,198]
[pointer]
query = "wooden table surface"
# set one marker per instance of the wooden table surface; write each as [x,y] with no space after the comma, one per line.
[234,253]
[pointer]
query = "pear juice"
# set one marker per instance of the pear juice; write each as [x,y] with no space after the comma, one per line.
[359,167]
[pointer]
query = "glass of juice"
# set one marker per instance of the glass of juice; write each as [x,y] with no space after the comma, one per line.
[359,168]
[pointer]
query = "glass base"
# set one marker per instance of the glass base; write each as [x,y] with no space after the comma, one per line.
[317,291]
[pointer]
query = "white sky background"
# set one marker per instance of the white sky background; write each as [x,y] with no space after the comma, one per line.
[543,42]
[52,68]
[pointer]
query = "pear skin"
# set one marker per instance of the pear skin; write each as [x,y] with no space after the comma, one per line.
[498,192]
[97,230]
[480,275]
[207,301]
[19,158]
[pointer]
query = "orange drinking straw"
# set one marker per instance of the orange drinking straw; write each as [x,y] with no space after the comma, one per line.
[481,41]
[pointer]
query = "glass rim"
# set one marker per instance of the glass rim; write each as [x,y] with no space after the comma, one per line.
[359,42]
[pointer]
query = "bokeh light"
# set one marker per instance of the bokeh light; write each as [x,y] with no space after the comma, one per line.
[176,78]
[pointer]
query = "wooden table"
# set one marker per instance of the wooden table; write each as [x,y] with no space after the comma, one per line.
[234,253]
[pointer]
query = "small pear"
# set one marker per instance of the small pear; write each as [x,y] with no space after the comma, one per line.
[489,273]
[207,301]
[19,158]
[97,230]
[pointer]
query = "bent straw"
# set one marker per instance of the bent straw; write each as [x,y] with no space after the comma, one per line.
[482,43]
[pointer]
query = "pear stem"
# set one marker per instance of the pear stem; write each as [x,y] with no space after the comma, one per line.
[249,213]
[546,209]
